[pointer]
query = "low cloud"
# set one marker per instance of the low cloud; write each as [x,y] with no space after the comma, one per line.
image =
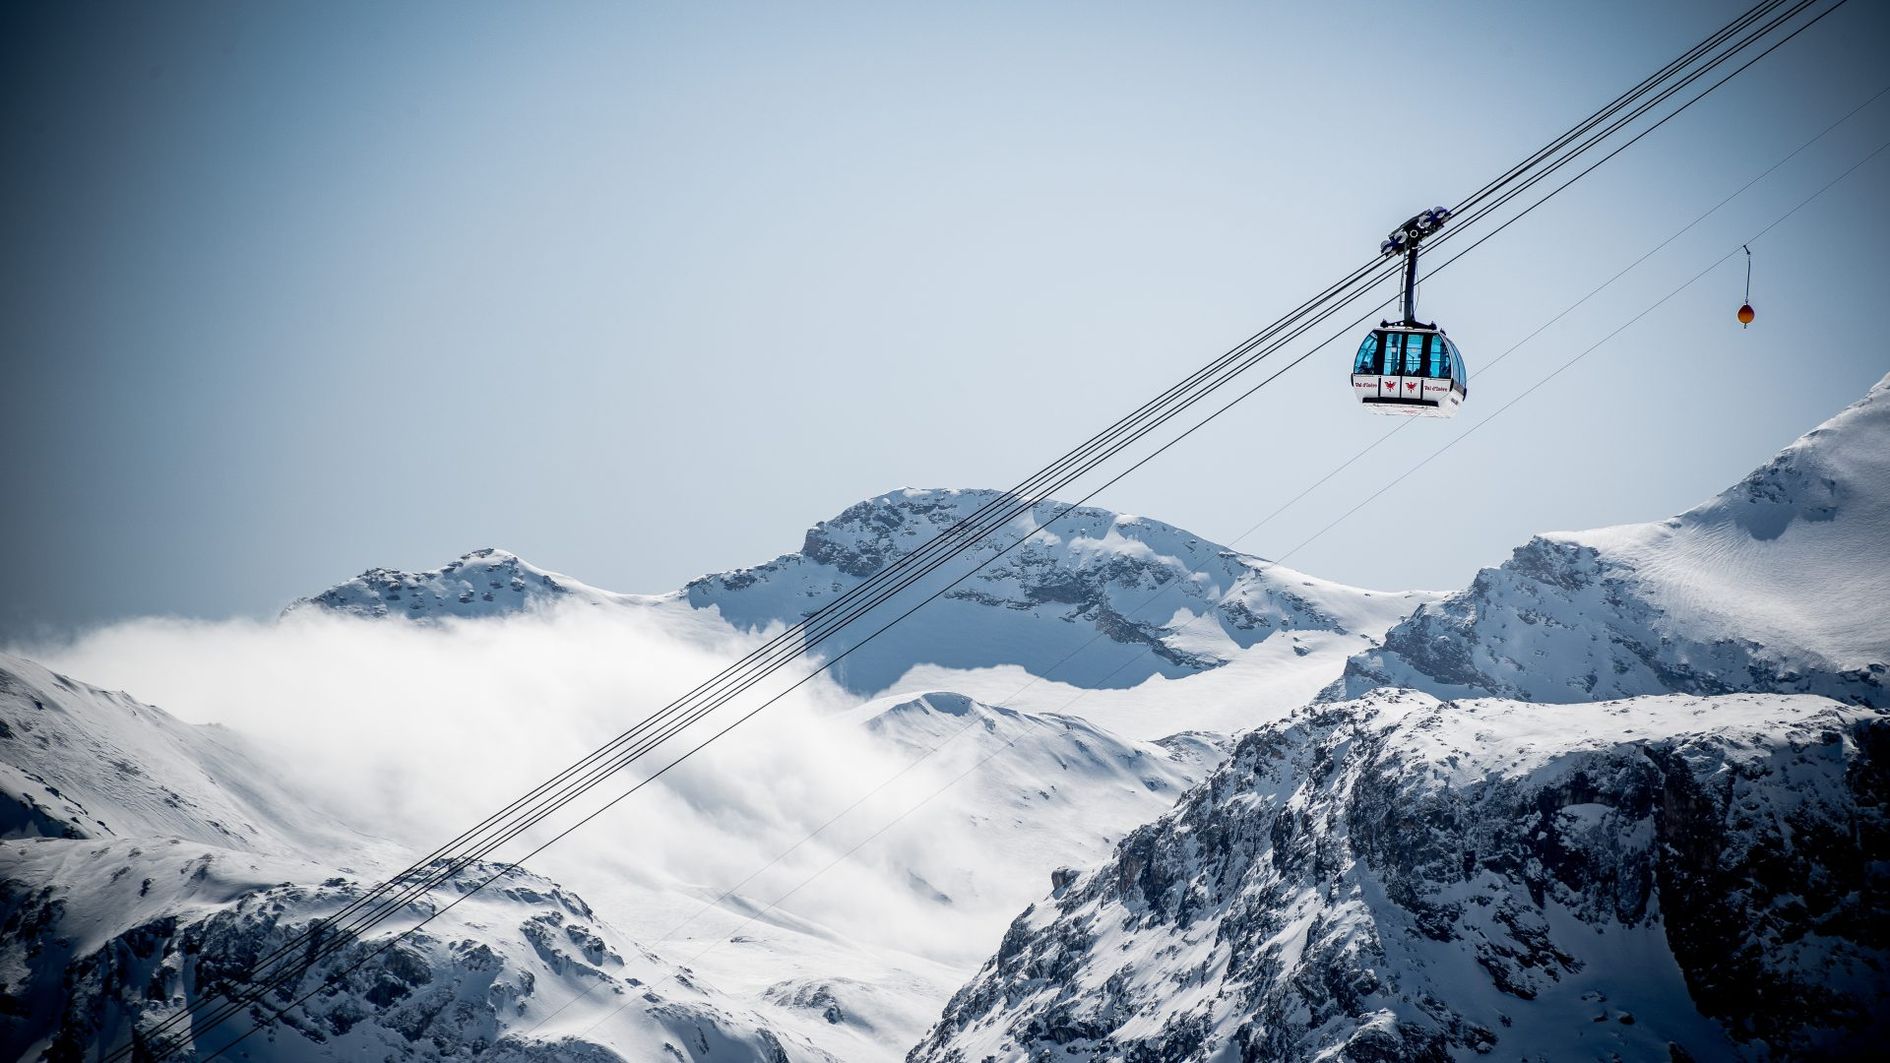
[414,732]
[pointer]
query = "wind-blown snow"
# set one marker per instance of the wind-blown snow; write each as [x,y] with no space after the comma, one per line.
[1780,583]
[858,960]
[80,762]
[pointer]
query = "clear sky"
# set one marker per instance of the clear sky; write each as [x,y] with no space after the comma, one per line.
[641,291]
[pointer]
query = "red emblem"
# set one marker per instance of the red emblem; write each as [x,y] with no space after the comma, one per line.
[1408,386]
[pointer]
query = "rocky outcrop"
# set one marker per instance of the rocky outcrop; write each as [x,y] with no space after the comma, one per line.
[488,582]
[1044,598]
[1401,878]
[488,978]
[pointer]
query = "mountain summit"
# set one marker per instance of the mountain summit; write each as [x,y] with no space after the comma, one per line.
[488,582]
[1061,602]
[1780,583]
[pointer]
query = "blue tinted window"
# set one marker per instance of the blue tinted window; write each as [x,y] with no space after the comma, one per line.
[1367,361]
[1414,355]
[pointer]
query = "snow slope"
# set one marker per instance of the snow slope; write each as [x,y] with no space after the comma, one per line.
[1030,791]
[976,829]
[1781,583]
[1403,878]
[80,762]
[488,582]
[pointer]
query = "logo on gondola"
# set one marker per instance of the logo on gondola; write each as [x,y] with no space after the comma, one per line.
[1410,384]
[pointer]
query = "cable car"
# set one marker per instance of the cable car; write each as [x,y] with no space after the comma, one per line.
[1408,367]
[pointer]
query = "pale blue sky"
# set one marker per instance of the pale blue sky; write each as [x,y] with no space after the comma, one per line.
[642,291]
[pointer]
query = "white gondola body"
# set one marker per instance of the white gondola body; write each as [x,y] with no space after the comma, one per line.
[1436,387]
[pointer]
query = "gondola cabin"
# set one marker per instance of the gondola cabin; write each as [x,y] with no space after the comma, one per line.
[1409,370]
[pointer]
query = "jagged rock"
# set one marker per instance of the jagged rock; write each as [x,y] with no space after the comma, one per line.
[488,582]
[461,987]
[1042,603]
[1403,878]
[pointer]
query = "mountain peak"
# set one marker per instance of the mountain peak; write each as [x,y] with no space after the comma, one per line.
[1780,583]
[1059,599]
[486,582]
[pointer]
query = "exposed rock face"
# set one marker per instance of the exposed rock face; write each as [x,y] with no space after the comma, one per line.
[1781,584]
[1400,878]
[487,582]
[521,971]
[1094,577]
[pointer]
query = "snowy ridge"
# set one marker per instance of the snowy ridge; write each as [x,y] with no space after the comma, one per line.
[1063,604]
[80,762]
[488,582]
[1039,791]
[1067,604]
[1781,583]
[489,979]
[1049,788]
[1403,878]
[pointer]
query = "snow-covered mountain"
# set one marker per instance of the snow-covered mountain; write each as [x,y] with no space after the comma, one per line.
[1399,878]
[1097,600]
[488,582]
[1049,786]
[1002,799]
[130,893]
[1096,605]
[1063,604]
[106,939]
[144,862]
[1781,583]
[1694,872]
[1465,845]
[80,762]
